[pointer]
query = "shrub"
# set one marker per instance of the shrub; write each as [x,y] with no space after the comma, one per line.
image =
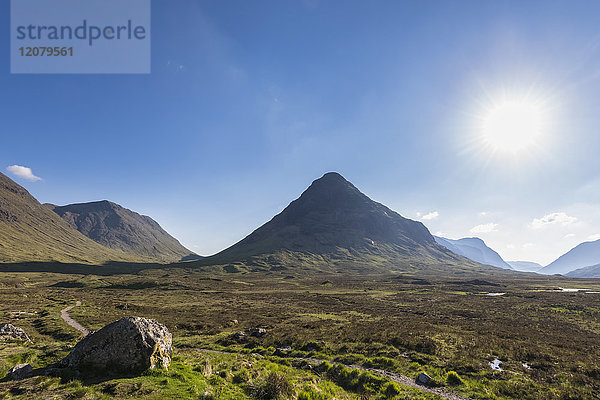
[453,379]
[311,394]
[274,386]
[391,390]
[241,376]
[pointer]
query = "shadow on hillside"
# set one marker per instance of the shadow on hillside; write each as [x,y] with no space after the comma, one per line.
[111,268]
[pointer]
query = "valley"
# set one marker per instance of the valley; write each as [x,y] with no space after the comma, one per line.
[399,323]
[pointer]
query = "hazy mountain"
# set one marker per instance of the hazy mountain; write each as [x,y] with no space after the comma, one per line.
[332,223]
[583,255]
[474,249]
[525,266]
[118,228]
[592,271]
[31,232]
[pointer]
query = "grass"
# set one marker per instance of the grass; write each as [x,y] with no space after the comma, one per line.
[388,322]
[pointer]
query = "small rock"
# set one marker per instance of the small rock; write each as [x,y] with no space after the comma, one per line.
[20,372]
[9,332]
[256,332]
[423,378]
[129,345]
[240,337]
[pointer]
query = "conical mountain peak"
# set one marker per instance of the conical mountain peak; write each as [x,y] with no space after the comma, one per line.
[333,219]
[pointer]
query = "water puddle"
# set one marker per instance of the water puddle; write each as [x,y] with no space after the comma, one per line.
[495,294]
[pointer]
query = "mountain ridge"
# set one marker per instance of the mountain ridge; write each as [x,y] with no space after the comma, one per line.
[332,223]
[525,266]
[31,232]
[583,255]
[475,249]
[119,228]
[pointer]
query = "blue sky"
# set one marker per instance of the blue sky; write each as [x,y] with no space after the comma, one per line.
[248,102]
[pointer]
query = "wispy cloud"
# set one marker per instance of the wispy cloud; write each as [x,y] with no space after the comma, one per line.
[557,218]
[428,216]
[484,228]
[594,237]
[483,214]
[23,172]
[570,235]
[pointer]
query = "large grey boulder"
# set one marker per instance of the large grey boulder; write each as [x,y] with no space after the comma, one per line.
[129,345]
[20,371]
[11,332]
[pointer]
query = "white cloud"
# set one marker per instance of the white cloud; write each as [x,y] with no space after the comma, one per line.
[528,245]
[510,246]
[483,214]
[559,218]
[594,237]
[440,233]
[570,235]
[429,216]
[484,228]
[23,172]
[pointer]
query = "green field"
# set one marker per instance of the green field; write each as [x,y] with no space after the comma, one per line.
[320,329]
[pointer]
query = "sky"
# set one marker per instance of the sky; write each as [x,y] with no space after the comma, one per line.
[248,102]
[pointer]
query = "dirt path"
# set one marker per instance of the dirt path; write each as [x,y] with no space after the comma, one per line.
[401,379]
[64,314]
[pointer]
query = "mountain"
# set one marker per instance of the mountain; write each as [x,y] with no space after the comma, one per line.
[118,228]
[593,271]
[333,225]
[581,256]
[474,249]
[525,266]
[32,232]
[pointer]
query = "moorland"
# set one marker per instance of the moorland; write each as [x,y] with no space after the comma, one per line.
[327,335]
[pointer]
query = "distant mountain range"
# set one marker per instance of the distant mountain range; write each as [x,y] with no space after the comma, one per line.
[584,255]
[31,232]
[333,225]
[474,249]
[593,271]
[118,228]
[525,266]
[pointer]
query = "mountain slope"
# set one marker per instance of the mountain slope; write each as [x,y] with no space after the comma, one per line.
[583,255]
[474,249]
[525,266]
[31,232]
[333,224]
[593,271]
[118,228]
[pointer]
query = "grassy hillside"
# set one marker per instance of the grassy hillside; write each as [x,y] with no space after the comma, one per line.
[118,228]
[31,232]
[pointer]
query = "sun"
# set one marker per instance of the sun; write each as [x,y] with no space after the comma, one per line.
[513,125]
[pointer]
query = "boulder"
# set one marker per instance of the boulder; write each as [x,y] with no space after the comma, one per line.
[20,371]
[423,378]
[10,332]
[256,332]
[129,345]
